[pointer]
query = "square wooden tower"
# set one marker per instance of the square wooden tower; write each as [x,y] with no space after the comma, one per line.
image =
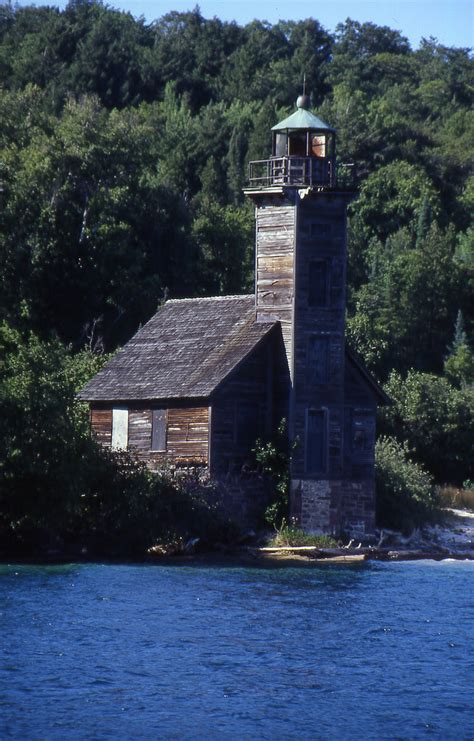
[300,280]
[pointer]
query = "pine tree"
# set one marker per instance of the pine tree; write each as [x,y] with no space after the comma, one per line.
[459,364]
[424,221]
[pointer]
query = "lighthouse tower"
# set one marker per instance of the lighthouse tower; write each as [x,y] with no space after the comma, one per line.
[300,280]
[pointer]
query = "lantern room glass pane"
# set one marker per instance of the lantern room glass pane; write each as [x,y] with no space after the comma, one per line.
[297,144]
[280,145]
[318,145]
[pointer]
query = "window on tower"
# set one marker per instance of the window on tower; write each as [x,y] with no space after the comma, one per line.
[317,366]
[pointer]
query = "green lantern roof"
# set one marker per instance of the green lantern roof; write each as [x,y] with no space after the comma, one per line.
[302,118]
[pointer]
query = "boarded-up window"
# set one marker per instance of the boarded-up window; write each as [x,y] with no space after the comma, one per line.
[317,366]
[316,441]
[159,421]
[119,429]
[318,283]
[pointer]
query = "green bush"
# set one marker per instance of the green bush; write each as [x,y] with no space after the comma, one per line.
[436,419]
[274,459]
[290,535]
[406,496]
[58,488]
[125,508]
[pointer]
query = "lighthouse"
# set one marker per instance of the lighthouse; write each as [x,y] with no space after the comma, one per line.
[300,280]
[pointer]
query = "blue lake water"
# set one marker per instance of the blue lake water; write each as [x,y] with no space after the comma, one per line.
[376,652]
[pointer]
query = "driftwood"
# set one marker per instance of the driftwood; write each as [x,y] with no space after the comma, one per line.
[356,555]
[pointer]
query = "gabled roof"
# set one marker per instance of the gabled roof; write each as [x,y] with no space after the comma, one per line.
[383,398]
[302,119]
[185,351]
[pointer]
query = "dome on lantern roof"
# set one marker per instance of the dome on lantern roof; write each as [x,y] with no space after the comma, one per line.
[302,119]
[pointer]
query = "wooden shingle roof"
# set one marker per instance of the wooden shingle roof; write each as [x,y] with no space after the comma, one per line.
[186,350]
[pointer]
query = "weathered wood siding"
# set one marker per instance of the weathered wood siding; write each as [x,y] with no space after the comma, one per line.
[321,236]
[101,426]
[291,233]
[250,404]
[187,433]
[139,433]
[360,413]
[275,250]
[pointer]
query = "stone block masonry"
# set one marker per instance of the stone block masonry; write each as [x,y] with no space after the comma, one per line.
[334,507]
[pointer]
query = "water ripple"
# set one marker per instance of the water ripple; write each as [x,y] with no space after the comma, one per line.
[378,653]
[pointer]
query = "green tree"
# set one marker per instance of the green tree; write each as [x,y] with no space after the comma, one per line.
[459,364]
[224,236]
[435,419]
[406,496]
[44,434]
[406,309]
[393,197]
[88,230]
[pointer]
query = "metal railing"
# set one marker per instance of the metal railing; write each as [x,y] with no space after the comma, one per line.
[291,171]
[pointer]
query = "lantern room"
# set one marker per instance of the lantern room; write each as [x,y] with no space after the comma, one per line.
[303,152]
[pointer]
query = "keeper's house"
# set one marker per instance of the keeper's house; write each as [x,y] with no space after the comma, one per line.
[205,377]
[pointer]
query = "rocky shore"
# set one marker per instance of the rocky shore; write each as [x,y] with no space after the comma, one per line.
[453,539]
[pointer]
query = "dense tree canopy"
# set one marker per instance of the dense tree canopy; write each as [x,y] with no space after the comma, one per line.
[123,152]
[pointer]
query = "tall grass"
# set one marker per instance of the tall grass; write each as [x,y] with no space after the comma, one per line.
[451,496]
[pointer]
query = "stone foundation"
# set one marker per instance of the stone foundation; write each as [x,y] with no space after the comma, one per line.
[240,498]
[334,507]
[315,504]
[358,507]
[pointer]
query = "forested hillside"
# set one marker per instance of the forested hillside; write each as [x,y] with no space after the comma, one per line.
[123,152]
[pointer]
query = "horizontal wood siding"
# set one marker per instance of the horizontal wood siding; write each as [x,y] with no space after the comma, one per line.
[188,434]
[139,432]
[101,426]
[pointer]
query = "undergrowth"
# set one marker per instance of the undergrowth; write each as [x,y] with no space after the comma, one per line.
[452,496]
[290,535]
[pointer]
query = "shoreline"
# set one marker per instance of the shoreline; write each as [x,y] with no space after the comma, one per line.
[253,556]
[453,541]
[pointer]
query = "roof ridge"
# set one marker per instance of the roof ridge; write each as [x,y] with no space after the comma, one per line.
[210,298]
